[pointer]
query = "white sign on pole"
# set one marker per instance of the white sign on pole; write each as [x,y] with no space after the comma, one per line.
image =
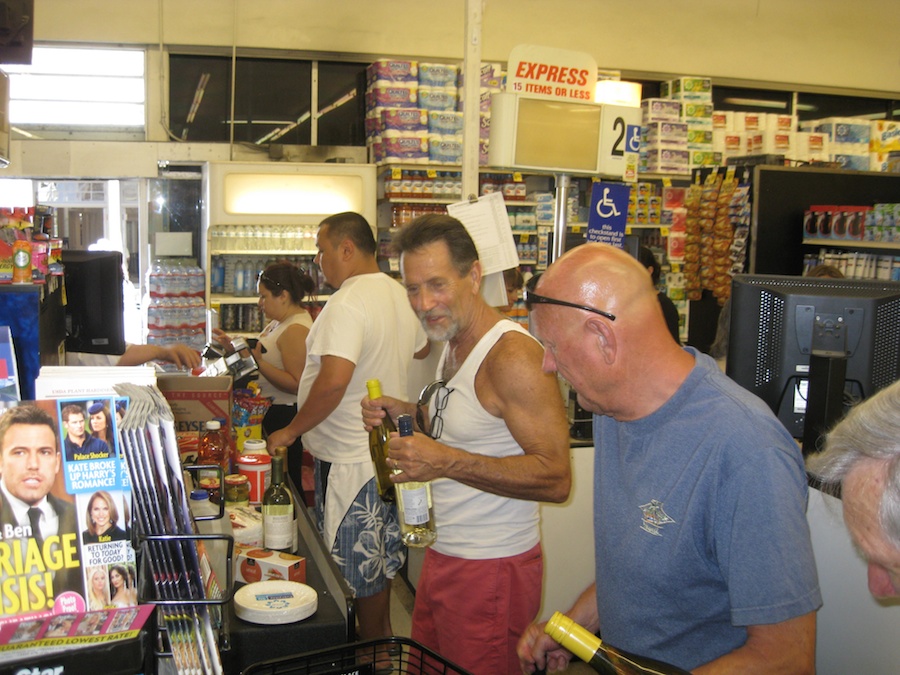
[620,141]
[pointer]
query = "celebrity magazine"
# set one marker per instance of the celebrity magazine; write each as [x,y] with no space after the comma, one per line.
[65,510]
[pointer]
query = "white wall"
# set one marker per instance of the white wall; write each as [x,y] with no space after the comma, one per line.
[821,43]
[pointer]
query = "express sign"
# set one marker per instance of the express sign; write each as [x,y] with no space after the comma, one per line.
[548,72]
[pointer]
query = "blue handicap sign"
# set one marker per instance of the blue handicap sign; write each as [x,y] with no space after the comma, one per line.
[633,134]
[609,213]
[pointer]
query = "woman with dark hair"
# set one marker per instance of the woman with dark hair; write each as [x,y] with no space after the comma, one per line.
[281,349]
[124,594]
[101,422]
[102,520]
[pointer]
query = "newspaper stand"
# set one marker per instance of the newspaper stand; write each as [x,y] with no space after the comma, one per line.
[149,594]
[360,659]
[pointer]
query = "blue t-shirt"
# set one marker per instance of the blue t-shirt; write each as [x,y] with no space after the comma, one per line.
[699,522]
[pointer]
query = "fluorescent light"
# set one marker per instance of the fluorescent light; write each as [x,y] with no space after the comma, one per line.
[757,103]
[271,194]
[618,92]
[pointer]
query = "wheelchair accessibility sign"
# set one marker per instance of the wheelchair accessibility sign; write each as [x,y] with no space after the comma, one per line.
[609,213]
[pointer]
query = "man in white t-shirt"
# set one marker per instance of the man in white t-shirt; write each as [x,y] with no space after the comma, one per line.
[366,330]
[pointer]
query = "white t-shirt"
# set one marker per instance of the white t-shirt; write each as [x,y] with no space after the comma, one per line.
[369,322]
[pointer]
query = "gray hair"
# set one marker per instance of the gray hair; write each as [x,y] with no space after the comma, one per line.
[870,431]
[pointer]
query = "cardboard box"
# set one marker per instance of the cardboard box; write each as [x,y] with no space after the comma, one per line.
[253,563]
[195,401]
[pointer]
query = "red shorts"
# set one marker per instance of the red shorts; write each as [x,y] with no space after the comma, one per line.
[473,612]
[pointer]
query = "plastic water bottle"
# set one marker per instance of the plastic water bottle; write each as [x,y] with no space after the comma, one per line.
[239,271]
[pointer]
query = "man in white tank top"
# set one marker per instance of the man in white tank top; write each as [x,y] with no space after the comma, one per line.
[498,443]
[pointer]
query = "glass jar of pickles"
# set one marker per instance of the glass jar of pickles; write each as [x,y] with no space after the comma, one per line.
[237,490]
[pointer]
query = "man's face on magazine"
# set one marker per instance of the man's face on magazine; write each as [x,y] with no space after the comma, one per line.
[29,461]
[75,425]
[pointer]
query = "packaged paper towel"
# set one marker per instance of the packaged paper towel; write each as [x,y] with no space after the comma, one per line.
[385,94]
[437,98]
[438,74]
[392,70]
[445,149]
[445,122]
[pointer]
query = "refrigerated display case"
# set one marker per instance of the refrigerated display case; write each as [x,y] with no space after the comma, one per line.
[262,212]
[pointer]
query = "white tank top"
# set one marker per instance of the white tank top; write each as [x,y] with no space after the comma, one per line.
[471,523]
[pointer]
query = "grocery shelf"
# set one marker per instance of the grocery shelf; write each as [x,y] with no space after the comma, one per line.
[853,243]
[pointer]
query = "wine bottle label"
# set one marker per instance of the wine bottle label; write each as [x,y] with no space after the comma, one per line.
[277,530]
[415,505]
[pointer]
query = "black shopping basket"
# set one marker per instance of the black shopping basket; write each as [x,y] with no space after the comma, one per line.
[359,659]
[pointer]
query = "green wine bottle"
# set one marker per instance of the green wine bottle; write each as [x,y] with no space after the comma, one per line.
[378,448]
[278,511]
[602,657]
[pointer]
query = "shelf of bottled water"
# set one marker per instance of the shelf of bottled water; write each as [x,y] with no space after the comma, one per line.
[237,276]
[176,312]
[292,239]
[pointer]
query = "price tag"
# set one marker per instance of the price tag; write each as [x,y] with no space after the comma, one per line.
[517,176]
[664,231]
[628,229]
[431,173]
[666,181]
[396,173]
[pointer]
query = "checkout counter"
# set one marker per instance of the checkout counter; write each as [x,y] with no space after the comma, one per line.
[243,644]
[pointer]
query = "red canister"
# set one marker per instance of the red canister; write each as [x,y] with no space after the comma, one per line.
[258,469]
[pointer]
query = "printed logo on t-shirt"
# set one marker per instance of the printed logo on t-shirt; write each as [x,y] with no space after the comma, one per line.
[653,517]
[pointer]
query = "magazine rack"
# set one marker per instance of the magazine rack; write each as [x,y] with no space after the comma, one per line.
[147,594]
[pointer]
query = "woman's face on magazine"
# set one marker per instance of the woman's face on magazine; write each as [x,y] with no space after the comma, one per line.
[100,514]
[98,579]
[116,579]
[98,421]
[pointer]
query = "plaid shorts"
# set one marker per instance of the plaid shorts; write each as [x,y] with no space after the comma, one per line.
[368,549]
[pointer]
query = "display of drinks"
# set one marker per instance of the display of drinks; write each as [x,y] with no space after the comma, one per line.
[378,447]
[414,504]
[214,449]
[278,511]
[602,657]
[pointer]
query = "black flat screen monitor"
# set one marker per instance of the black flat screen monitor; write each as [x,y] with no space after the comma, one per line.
[779,322]
[94,308]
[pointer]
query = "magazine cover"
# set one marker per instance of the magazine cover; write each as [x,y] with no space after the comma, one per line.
[64,510]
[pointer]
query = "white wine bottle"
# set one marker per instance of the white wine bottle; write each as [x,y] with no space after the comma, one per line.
[416,510]
[602,657]
[378,448]
[278,511]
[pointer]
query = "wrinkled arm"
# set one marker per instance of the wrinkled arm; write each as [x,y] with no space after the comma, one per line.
[787,648]
[511,386]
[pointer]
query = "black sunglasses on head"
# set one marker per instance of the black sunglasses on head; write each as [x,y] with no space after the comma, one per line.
[532,298]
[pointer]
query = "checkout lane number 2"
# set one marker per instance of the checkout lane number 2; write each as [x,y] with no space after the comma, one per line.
[633,140]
